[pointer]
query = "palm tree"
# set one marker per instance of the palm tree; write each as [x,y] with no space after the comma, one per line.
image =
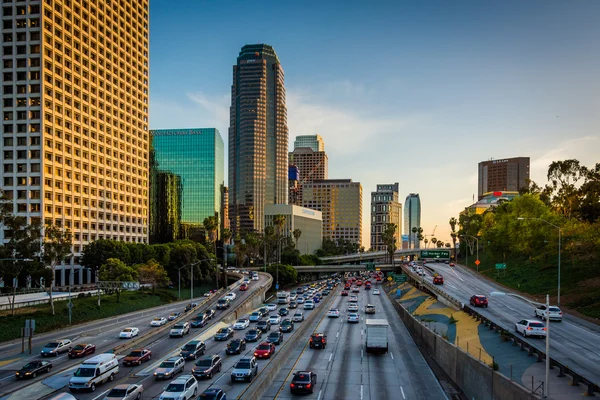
[226,235]
[434,241]
[426,241]
[414,231]
[453,222]
[279,222]
[296,234]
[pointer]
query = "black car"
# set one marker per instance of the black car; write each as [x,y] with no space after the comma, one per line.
[293,304]
[207,366]
[325,292]
[275,337]
[264,311]
[253,335]
[193,349]
[286,326]
[188,308]
[264,326]
[236,346]
[209,314]
[212,394]
[199,322]
[33,368]
[303,382]
[224,334]
[283,311]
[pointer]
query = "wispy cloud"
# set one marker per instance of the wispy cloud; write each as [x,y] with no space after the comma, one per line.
[584,149]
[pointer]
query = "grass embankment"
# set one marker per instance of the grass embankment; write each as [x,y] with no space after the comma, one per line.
[85,309]
[580,284]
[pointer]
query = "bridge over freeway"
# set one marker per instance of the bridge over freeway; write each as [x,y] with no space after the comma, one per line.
[374,256]
[343,268]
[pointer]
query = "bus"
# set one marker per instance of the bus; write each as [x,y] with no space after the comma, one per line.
[283,297]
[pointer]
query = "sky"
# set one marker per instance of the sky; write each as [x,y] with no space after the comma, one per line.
[401,91]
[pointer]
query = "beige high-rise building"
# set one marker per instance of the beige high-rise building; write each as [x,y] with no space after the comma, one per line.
[340,202]
[312,166]
[385,209]
[75,119]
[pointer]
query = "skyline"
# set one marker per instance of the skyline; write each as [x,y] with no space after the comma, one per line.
[442,87]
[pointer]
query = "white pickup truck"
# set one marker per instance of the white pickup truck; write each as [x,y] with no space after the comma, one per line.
[377,335]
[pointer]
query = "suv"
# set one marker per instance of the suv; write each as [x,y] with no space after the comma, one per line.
[244,370]
[318,341]
[180,329]
[223,304]
[56,347]
[286,326]
[479,300]
[298,317]
[169,368]
[303,382]
[555,313]
[236,346]
[263,326]
[370,309]
[207,366]
[275,337]
[438,280]
[184,387]
[193,349]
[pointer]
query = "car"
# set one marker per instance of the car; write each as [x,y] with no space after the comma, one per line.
[326,292]
[255,316]
[344,293]
[241,323]
[212,394]
[244,370]
[274,319]
[293,296]
[207,294]
[264,350]
[199,321]
[317,341]
[33,368]
[126,391]
[223,304]
[254,277]
[180,329]
[263,311]
[376,292]
[438,280]
[283,311]
[286,326]
[158,321]
[316,299]
[529,327]
[243,287]
[173,316]
[137,357]
[353,299]
[210,313]
[293,304]
[479,300]
[189,307]
[309,305]
[253,335]
[183,388]
[333,313]
[82,350]
[128,333]
[207,366]
[555,313]
[236,346]
[353,318]
[300,300]
[275,337]
[224,334]
[298,317]
[169,368]
[271,307]
[452,264]
[193,349]
[56,347]
[355,289]
[370,309]
[352,307]
[230,296]
[264,326]
[303,382]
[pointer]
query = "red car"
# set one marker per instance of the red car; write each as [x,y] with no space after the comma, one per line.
[359,283]
[82,350]
[344,293]
[479,300]
[264,350]
[438,280]
[451,264]
[137,357]
[243,287]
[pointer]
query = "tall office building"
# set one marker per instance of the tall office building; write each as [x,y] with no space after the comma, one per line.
[258,138]
[340,202]
[385,209]
[75,119]
[196,156]
[504,175]
[412,218]
[315,142]
[312,166]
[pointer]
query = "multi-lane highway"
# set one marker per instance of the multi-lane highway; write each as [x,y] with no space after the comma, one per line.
[574,342]
[345,371]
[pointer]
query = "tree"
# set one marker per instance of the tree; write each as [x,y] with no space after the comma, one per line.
[426,241]
[414,231]
[434,240]
[226,235]
[296,234]
[279,221]
[97,253]
[211,226]
[117,271]
[453,221]
[57,247]
[388,236]
[152,273]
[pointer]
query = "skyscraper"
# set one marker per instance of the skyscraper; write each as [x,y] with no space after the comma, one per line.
[504,175]
[385,209]
[196,156]
[412,218]
[312,166]
[78,158]
[258,137]
[315,142]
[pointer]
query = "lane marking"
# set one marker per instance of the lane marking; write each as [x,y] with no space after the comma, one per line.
[391,355]
[402,390]
[330,357]
[337,335]
[319,396]
[361,392]
[361,353]
[102,394]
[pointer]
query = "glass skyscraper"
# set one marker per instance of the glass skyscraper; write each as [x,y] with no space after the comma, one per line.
[412,217]
[187,181]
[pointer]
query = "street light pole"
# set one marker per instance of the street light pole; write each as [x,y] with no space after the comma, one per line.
[547,382]
[477,249]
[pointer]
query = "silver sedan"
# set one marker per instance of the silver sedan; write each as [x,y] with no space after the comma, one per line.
[125,392]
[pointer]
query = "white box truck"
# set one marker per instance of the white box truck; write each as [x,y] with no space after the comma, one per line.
[377,335]
[93,372]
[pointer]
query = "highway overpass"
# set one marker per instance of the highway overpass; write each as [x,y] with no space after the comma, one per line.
[379,256]
[343,268]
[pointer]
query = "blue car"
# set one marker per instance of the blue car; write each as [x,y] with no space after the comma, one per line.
[255,316]
[316,299]
[213,394]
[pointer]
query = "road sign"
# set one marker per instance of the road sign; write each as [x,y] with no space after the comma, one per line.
[70,305]
[370,266]
[435,253]
[400,278]
[477,262]
[501,266]
[390,278]
[377,269]
[277,286]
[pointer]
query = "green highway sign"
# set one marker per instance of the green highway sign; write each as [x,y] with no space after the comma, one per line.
[370,266]
[400,278]
[435,253]
[501,266]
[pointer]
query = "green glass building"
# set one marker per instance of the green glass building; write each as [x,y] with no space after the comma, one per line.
[186,181]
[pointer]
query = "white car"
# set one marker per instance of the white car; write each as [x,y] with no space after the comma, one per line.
[207,294]
[529,327]
[376,291]
[158,321]
[183,388]
[353,307]
[274,319]
[271,307]
[353,299]
[353,318]
[333,313]
[180,329]
[555,313]
[293,297]
[309,305]
[300,300]
[128,333]
[231,296]
[241,323]
[254,277]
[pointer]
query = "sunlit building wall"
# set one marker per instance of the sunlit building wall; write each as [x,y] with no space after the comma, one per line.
[385,209]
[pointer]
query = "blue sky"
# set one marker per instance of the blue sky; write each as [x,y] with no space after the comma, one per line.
[415,92]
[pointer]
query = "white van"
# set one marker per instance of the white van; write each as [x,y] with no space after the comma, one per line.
[94,371]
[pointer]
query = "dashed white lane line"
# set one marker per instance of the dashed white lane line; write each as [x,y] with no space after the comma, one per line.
[402,390]
[361,392]
[391,355]
[330,357]
[319,396]
[458,275]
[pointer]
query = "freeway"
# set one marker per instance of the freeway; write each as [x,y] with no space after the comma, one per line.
[574,342]
[345,371]
[105,335]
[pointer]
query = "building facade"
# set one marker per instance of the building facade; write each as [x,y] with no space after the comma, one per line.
[312,166]
[75,137]
[340,202]
[385,209]
[196,156]
[504,175]
[314,142]
[309,222]
[258,138]
[412,218]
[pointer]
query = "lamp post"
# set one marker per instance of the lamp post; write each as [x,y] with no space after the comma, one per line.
[191,278]
[559,249]
[467,251]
